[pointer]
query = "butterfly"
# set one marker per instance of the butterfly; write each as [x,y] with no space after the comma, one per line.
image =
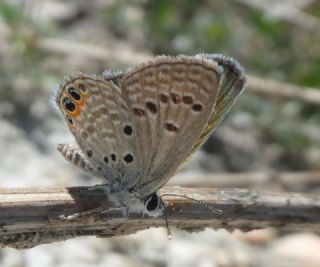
[136,128]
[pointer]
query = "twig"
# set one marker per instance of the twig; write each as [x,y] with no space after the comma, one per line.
[128,57]
[97,52]
[29,217]
[288,181]
[282,90]
[289,11]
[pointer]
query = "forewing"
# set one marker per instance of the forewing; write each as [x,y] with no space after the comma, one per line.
[232,85]
[171,100]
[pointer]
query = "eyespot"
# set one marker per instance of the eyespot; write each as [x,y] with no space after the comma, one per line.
[113,157]
[106,160]
[68,104]
[74,93]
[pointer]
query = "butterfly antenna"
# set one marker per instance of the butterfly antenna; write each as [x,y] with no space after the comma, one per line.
[209,207]
[166,219]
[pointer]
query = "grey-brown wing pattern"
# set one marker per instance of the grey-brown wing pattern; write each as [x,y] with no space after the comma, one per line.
[171,100]
[232,85]
[136,128]
[100,120]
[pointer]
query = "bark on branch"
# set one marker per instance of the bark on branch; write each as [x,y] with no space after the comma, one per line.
[33,216]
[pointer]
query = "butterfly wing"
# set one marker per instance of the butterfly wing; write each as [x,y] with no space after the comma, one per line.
[140,135]
[232,85]
[75,156]
[100,120]
[172,100]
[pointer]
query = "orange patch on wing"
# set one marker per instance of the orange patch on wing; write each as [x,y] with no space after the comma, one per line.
[79,105]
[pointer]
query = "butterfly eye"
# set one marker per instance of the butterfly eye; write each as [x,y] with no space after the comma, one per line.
[152,202]
[68,104]
[74,93]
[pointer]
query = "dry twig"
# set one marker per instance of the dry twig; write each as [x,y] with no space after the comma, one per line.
[288,11]
[288,181]
[282,90]
[128,57]
[34,216]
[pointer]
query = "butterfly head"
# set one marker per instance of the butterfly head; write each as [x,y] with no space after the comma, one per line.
[151,205]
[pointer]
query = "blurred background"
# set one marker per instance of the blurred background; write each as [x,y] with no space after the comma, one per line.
[268,141]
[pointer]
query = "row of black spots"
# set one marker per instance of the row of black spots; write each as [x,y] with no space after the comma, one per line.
[128,158]
[68,103]
[176,98]
[152,107]
[75,95]
[188,100]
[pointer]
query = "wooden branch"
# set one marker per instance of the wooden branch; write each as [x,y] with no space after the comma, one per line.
[256,84]
[117,52]
[33,216]
[288,11]
[276,89]
[287,181]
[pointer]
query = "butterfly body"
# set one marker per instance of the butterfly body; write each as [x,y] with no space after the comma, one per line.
[135,129]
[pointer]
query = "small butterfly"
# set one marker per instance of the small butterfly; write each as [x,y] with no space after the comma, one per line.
[135,129]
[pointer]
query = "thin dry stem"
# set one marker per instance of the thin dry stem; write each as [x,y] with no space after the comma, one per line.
[33,216]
